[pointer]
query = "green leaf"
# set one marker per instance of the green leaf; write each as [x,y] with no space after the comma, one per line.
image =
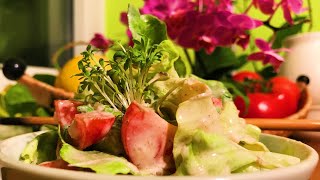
[146,25]
[19,100]
[212,66]
[42,148]
[281,35]
[3,109]
[41,111]
[169,56]
[268,72]
[46,78]
[101,62]
[88,47]
[80,65]
[180,67]
[99,162]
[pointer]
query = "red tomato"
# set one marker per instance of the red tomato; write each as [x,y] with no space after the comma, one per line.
[282,84]
[242,75]
[59,163]
[89,128]
[148,139]
[65,110]
[265,105]
[281,102]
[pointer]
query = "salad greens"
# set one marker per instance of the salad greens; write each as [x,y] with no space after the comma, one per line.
[41,149]
[209,136]
[17,101]
[99,162]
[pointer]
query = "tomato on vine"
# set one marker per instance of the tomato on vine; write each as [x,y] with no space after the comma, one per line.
[275,98]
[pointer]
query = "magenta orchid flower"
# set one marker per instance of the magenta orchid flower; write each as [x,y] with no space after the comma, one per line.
[265,6]
[267,54]
[100,42]
[165,8]
[289,6]
[201,24]
[204,23]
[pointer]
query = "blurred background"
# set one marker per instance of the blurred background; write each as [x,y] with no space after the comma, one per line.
[35,29]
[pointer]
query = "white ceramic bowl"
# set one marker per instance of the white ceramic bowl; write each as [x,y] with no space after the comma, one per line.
[11,148]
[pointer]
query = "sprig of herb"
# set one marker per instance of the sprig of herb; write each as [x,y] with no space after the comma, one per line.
[127,80]
[133,69]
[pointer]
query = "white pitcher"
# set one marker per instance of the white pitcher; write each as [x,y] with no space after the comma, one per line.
[304,58]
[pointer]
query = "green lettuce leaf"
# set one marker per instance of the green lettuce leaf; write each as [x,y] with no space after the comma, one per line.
[180,90]
[268,161]
[146,25]
[24,105]
[210,141]
[170,55]
[209,154]
[199,113]
[42,148]
[99,162]
[217,87]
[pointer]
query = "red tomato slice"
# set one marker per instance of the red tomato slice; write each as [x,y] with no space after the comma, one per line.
[89,128]
[148,139]
[217,102]
[59,163]
[65,110]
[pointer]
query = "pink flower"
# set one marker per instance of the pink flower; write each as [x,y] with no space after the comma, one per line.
[212,6]
[267,54]
[165,8]
[209,25]
[265,6]
[124,18]
[289,6]
[99,41]
[201,23]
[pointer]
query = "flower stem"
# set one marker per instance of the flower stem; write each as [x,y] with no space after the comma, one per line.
[254,65]
[277,7]
[189,59]
[310,15]
[248,8]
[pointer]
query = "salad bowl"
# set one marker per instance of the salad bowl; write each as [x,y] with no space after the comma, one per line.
[11,149]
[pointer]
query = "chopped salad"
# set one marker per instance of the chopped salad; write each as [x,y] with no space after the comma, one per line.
[140,117]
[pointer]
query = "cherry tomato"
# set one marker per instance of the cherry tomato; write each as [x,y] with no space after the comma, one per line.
[280,102]
[265,105]
[282,84]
